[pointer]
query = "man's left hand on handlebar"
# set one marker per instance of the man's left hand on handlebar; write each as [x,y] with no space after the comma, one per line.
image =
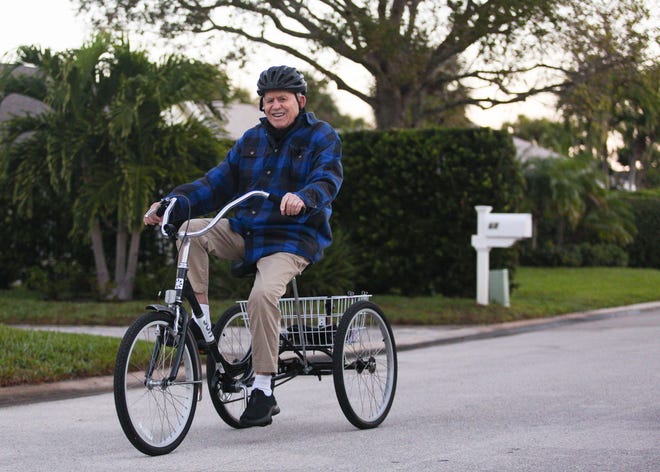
[291,205]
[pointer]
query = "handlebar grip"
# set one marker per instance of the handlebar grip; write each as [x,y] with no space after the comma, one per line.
[276,199]
[162,207]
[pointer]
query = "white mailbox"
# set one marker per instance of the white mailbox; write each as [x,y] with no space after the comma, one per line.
[495,230]
[508,225]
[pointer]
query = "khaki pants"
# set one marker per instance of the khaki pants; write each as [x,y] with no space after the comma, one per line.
[274,272]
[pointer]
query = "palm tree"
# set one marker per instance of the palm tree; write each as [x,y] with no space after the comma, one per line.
[108,143]
[571,195]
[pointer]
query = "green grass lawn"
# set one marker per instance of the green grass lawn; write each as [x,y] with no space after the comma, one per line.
[42,356]
[45,356]
[539,292]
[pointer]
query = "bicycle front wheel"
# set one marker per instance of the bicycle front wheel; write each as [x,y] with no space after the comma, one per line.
[364,365]
[155,412]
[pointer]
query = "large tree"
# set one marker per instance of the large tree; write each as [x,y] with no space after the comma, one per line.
[104,146]
[422,57]
[613,77]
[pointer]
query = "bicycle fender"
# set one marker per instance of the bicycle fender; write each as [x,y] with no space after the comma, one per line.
[161,308]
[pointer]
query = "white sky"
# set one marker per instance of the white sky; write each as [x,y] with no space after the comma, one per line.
[53,24]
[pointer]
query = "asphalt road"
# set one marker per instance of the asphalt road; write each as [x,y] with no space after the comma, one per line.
[578,397]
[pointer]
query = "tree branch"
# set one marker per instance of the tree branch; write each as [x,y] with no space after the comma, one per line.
[488,103]
[341,84]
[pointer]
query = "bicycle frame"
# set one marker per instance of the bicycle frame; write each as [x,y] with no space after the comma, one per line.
[182,289]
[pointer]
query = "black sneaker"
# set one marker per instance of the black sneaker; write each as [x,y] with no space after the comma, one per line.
[260,409]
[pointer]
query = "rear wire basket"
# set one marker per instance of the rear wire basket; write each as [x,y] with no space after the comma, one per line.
[315,318]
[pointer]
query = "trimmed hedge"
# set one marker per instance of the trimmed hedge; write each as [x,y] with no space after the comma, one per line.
[407,205]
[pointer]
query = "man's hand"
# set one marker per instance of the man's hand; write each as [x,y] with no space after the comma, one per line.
[150,217]
[291,205]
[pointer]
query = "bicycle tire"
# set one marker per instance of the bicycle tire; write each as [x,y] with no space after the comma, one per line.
[155,417]
[364,365]
[232,333]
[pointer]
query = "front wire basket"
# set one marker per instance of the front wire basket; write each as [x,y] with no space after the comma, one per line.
[315,318]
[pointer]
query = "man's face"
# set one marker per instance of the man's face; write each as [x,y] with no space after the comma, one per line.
[282,107]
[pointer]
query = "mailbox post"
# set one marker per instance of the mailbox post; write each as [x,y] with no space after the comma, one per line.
[495,230]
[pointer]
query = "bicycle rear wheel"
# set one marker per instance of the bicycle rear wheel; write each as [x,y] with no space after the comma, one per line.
[226,387]
[364,365]
[155,413]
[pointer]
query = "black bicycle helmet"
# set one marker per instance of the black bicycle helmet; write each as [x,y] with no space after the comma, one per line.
[281,78]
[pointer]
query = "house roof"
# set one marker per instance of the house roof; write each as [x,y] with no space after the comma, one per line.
[18,70]
[239,117]
[528,150]
[17,105]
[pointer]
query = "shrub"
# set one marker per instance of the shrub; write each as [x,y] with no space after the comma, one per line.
[575,255]
[608,255]
[407,205]
[154,279]
[60,280]
[644,251]
[560,256]
[336,273]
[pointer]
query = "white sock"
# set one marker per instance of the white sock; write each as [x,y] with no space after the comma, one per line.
[205,309]
[262,382]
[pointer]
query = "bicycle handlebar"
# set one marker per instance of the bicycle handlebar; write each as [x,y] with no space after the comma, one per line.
[166,210]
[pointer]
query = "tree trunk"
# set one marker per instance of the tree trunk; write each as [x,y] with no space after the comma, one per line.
[120,253]
[632,172]
[605,164]
[603,151]
[560,230]
[535,227]
[637,154]
[126,284]
[102,274]
[389,105]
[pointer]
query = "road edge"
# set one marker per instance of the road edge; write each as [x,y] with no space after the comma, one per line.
[27,394]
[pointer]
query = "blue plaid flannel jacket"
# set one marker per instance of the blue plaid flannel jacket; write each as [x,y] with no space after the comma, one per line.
[307,162]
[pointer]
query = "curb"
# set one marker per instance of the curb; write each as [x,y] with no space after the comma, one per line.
[27,394]
[537,324]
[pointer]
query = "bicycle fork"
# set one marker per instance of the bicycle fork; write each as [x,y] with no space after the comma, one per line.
[174,300]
